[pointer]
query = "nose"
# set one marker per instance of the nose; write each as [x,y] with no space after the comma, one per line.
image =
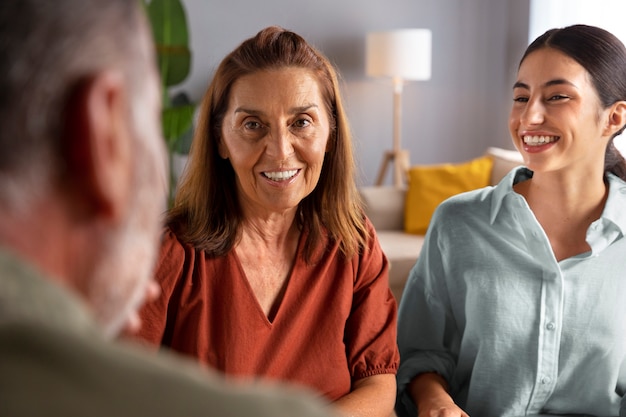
[279,143]
[533,113]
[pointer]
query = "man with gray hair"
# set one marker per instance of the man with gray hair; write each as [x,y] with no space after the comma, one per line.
[82,188]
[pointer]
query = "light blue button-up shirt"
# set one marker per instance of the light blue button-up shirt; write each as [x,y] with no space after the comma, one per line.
[513,331]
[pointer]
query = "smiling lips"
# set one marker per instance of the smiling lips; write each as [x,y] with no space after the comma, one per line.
[280,175]
[539,140]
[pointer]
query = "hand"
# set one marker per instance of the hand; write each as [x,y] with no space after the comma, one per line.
[133,322]
[429,391]
[440,407]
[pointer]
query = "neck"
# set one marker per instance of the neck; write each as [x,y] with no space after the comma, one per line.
[575,194]
[42,236]
[272,232]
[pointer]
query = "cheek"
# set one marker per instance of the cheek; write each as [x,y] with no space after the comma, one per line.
[243,160]
[317,152]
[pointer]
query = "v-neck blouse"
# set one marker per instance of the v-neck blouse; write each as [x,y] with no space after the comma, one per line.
[335,324]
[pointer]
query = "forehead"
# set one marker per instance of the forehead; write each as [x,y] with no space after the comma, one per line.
[287,86]
[547,64]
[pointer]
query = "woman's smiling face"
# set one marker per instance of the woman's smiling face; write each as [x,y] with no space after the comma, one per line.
[556,120]
[275,133]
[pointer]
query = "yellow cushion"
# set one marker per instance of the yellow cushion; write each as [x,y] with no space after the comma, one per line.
[429,185]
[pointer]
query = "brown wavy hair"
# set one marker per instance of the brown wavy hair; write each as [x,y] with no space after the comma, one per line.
[603,55]
[206,210]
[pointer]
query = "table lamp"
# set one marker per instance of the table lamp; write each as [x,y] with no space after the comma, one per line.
[403,54]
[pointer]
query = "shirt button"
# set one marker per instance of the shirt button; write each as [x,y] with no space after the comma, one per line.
[545,380]
[550,326]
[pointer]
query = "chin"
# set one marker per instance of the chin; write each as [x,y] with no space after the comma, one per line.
[114,308]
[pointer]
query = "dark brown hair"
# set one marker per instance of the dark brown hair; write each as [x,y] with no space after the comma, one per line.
[206,211]
[604,58]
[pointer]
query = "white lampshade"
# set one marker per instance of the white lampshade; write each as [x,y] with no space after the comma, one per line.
[404,53]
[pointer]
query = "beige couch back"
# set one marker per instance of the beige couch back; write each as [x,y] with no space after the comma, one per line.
[385,208]
[384,205]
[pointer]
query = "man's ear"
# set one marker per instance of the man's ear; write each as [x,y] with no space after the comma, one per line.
[98,144]
[617,117]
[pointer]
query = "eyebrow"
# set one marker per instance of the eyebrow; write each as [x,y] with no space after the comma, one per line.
[293,110]
[557,81]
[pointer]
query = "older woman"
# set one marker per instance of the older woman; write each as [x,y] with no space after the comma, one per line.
[516,304]
[268,266]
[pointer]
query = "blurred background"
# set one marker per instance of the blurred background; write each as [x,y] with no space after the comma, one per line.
[454,116]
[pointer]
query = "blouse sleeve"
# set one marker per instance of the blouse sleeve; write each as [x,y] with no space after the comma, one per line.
[169,271]
[370,334]
[428,338]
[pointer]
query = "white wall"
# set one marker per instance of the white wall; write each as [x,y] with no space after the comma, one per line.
[453,117]
[548,14]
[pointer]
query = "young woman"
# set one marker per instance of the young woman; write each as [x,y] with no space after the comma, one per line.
[516,304]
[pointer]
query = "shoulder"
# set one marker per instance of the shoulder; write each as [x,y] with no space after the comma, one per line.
[174,252]
[372,238]
[372,250]
[617,185]
[114,379]
[467,203]
[616,201]
[170,242]
[177,263]
[483,202]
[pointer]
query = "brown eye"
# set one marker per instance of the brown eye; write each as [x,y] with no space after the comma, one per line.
[300,123]
[252,125]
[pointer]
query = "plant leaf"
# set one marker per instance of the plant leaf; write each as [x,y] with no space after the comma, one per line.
[177,121]
[169,28]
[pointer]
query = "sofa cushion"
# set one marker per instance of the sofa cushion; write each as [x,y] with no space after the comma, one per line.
[429,185]
[384,206]
[402,250]
[504,160]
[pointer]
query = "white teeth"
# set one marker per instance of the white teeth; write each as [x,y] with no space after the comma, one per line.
[539,140]
[280,175]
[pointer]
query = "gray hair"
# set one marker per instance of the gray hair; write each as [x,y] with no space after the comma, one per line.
[47,48]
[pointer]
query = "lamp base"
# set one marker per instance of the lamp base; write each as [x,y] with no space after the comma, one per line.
[400,161]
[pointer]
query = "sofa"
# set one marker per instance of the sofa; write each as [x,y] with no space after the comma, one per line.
[385,207]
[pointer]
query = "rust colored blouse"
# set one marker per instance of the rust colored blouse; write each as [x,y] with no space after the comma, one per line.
[335,324]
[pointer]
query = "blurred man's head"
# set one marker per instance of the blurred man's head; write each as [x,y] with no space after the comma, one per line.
[82,163]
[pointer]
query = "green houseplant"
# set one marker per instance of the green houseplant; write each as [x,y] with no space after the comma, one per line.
[171,36]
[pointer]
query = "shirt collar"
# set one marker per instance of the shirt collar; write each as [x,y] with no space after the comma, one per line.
[609,227]
[612,223]
[26,295]
[614,209]
[505,188]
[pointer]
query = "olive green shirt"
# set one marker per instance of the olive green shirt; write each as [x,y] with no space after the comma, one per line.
[55,362]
